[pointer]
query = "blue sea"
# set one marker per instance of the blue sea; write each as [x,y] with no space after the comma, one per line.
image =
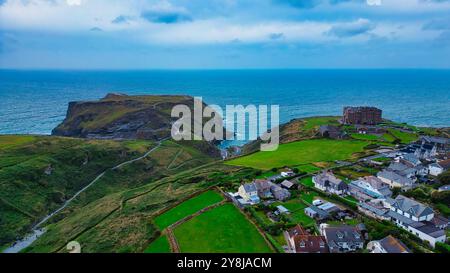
[34,102]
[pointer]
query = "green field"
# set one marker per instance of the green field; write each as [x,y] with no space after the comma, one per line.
[365,137]
[221,230]
[297,212]
[160,245]
[307,182]
[302,152]
[404,137]
[316,122]
[187,208]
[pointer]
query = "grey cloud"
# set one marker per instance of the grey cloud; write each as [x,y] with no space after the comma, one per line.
[122,19]
[358,27]
[276,36]
[166,17]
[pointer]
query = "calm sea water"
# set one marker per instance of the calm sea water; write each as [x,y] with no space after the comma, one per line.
[34,102]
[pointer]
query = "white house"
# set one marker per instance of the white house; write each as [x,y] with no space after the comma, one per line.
[439,167]
[249,193]
[326,181]
[416,218]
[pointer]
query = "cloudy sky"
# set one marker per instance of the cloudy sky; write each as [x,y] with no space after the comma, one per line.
[139,34]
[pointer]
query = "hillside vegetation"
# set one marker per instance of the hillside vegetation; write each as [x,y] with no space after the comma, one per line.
[37,174]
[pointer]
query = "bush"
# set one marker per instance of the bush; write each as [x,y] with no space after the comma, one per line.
[442,247]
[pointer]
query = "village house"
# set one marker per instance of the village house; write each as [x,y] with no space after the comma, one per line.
[287,184]
[404,170]
[426,151]
[389,244]
[395,180]
[279,193]
[369,187]
[249,193]
[416,218]
[442,144]
[375,208]
[333,132]
[326,181]
[342,239]
[300,241]
[410,160]
[438,168]
[316,213]
[263,188]
[282,210]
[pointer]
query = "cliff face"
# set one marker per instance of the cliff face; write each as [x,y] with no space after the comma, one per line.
[120,116]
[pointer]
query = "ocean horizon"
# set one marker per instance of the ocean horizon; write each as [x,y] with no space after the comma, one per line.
[35,101]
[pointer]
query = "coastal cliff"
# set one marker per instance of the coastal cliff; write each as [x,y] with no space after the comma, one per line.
[119,116]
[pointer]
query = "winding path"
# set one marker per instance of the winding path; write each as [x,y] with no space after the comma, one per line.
[37,231]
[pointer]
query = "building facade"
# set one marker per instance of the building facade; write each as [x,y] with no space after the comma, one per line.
[362,115]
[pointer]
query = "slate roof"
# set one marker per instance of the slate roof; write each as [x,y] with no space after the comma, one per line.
[439,140]
[429,229]
[250,187]
[411,158]
[374,208]
[287,184]
[411,206]
[341,234]
[393,245]
[393,176]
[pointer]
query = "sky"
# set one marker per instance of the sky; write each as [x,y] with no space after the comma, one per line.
[224,34]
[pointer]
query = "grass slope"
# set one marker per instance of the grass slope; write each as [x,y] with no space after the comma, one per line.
[160,245]
[187,208]
[27,192]
[221,230]
[302,152]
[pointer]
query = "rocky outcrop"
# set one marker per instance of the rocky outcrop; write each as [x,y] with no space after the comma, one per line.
[119,116]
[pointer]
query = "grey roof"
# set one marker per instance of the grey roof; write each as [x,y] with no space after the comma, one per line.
[250,187]
[320,212]
[440,140]
[378,210]
[411,158]
[405,220]
[343,234]
[287,184]
[397,166]
[393,245]
[411,206]
[429,229]
[393,176]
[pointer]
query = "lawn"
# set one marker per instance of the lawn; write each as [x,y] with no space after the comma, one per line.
[315,122]
[404,136]
[221,230]
[187,208]
[307,181]
[160,245]
[365,137]
[302,152]
[308,168]
[10,141]
[308,197]
[297,212]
